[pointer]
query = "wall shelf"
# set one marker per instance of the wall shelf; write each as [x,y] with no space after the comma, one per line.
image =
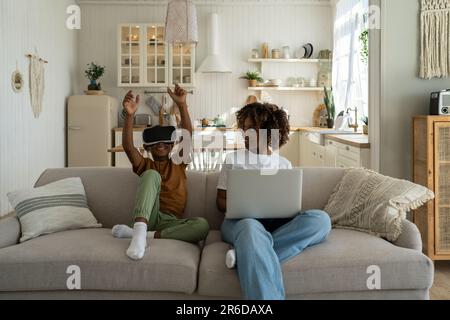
[285,89]
[287,60]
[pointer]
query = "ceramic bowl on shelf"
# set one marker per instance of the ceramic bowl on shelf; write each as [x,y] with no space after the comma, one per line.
[276,82]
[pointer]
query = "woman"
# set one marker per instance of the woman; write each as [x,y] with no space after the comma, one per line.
[261,246]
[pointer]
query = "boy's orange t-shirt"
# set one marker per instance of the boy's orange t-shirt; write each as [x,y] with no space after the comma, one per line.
[173,196]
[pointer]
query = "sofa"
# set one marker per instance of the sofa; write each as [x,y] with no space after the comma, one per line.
[336,269]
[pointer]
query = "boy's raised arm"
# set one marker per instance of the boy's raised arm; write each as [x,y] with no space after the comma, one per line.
[130,105]
[179,97]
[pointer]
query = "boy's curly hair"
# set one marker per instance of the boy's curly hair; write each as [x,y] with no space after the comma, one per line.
[266,116]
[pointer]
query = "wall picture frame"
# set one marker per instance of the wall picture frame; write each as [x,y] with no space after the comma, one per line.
[17,81]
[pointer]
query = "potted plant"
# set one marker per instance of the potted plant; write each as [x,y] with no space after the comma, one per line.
[93,73]
[331,109]
[253,78]
[365,120]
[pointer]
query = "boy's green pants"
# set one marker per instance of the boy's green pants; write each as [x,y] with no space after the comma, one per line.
[169,226]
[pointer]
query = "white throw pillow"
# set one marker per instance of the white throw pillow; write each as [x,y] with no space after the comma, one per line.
[370,202]
[56,207]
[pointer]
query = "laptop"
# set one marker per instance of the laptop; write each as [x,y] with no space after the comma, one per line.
[259,195]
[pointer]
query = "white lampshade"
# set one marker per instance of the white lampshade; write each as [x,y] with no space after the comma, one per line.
[181,23]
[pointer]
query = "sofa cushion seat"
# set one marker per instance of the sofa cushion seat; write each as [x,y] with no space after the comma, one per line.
[41,264]
[338,265]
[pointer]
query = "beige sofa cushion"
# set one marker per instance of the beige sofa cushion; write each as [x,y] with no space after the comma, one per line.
[337,265]
[41,264]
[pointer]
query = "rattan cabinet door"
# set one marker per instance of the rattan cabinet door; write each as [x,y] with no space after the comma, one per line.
[442,187]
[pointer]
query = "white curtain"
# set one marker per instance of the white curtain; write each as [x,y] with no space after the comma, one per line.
[350,73]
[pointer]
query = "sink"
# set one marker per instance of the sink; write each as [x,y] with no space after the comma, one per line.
[319,136]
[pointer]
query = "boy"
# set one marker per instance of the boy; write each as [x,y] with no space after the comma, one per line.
[162,193]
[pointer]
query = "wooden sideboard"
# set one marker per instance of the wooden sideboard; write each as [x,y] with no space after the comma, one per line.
[431,156]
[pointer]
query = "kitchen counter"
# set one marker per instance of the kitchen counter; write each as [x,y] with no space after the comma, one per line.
[310,129]
[360,141]
[212,129]
[355,140]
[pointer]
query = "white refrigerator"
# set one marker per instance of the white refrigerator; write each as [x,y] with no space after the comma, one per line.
[90,123]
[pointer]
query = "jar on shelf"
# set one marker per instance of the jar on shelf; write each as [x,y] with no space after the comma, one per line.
[255,54]
[265,50]
[286,52]
[276,54]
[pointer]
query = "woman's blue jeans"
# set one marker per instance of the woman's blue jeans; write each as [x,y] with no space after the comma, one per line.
[263,245]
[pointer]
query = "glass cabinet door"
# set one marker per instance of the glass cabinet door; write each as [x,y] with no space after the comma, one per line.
[130,54]
[156,56]
[182,64]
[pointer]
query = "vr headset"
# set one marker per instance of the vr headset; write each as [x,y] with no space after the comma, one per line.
[159,134]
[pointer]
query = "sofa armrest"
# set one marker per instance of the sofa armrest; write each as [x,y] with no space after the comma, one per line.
[410,237]
[9,230]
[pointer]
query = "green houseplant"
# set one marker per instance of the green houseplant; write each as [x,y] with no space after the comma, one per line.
[253,78]
[93,73]
[331,109]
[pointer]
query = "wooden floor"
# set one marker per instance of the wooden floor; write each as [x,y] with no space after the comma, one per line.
[441,287]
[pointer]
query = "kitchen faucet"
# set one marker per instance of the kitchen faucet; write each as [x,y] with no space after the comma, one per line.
[355,125]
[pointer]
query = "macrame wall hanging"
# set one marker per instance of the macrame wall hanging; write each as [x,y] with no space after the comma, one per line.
[37,83]
[435,39]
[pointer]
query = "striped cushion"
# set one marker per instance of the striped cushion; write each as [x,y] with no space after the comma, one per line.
[56,207]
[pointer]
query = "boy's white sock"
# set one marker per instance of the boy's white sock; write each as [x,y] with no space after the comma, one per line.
[138,244]
[230,259]
[122,231]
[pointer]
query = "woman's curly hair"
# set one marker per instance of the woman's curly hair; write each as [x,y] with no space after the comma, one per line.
[266,116]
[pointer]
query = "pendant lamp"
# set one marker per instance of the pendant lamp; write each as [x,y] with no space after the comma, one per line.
[181,23]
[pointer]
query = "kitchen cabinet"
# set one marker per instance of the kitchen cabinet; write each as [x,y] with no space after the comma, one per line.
[311,154]
[337,151]
[352,157]
[330,154]
[145,60]
[182,65]
[291,150]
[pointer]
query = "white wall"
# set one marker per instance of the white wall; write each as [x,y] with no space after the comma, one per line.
[243,27]
[28,146]
[404,93]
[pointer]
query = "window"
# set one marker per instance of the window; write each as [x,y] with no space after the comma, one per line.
[350,63]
